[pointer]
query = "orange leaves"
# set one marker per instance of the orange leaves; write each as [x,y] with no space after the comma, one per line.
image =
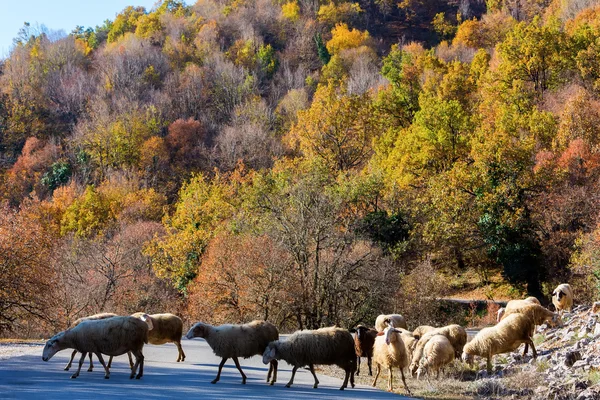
[241,278]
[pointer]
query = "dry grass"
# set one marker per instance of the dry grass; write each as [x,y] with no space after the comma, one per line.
[20,341]
[458,383]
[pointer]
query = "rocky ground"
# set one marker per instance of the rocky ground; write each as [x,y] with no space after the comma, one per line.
[567,366]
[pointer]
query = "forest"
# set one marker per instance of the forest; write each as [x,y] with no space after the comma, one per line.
[309,162]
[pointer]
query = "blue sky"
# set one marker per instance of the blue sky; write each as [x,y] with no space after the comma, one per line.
[57,15]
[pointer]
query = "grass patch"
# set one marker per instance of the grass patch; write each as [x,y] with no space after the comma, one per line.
[593,376]
[542,365]
[538,339]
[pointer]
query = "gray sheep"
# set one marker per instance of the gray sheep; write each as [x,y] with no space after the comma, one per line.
[325,346]
[233,341]
[111,336]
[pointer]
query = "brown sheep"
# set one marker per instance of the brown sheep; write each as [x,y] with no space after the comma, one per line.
[364,339]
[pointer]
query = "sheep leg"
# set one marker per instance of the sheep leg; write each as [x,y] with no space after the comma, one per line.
[130,360]
[219,372]
[526,348]
[141,373]
[404,381]
[369,361]
[181,356]
[489,364]
[81,360]
[352,379]
[376,375]
[289,384]
[110,362]
[237,364]
[272,368]
[91,367]
[71,360]
[312,371]
[357,365]
[391,381]
[106,370]
[533,348]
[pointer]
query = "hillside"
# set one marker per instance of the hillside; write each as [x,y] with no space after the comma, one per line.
[310,163]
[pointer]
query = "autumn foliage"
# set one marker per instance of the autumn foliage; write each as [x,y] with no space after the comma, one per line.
[311,164]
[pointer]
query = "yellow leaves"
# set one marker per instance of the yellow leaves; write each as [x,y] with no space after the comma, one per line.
[331,13]
[337,128]
[291,11]
[344,38]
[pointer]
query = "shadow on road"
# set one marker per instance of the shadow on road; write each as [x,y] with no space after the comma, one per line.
[28,377]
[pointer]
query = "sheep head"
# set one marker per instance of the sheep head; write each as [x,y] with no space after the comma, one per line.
[360,331]
[468,358]
[148,320]
[269,354]
[53,346]
[198,330]
[390,335]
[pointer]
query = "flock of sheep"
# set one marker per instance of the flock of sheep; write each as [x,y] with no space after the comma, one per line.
[423,351]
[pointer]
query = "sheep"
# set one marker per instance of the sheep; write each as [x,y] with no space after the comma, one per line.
[325,346]
[94,317]
[516,304]
[390,351]
[410,342]
[233,341]
[505,337]
[562,297]
[364,339]
[396,321]
[111,336]
[595,307]
[500,314]
[166,328]
[456,334]
[421,330]
[437,353]
[538,314]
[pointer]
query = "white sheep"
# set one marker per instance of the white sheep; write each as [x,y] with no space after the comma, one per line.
[233,341]
[111,336]
[562,297]
[437,353]
[422,330]
[538,314]
[456,334]
[325,346]
[94,317]
[166,328]
[506,336]
[390,351]
[500,313]
[385,320]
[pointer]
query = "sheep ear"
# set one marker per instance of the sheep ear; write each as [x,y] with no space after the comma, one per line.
[146,318]
[352,330]
[272,352]
[380,333]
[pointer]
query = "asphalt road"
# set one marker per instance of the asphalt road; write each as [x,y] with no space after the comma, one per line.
[28,377]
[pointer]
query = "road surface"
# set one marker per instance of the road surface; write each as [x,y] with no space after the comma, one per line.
[28,377]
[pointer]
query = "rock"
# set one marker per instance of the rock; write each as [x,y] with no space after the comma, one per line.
[571,357]
[591,393]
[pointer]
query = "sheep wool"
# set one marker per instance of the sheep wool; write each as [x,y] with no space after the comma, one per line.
[438,352]
[562,297]
[396,320]
[88,318]
[233,341]
[538,314]
[364,339]
[456,334]
[325,346]
[506,336]
[422,330]
[390,352]
[166,328]
[111,336]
